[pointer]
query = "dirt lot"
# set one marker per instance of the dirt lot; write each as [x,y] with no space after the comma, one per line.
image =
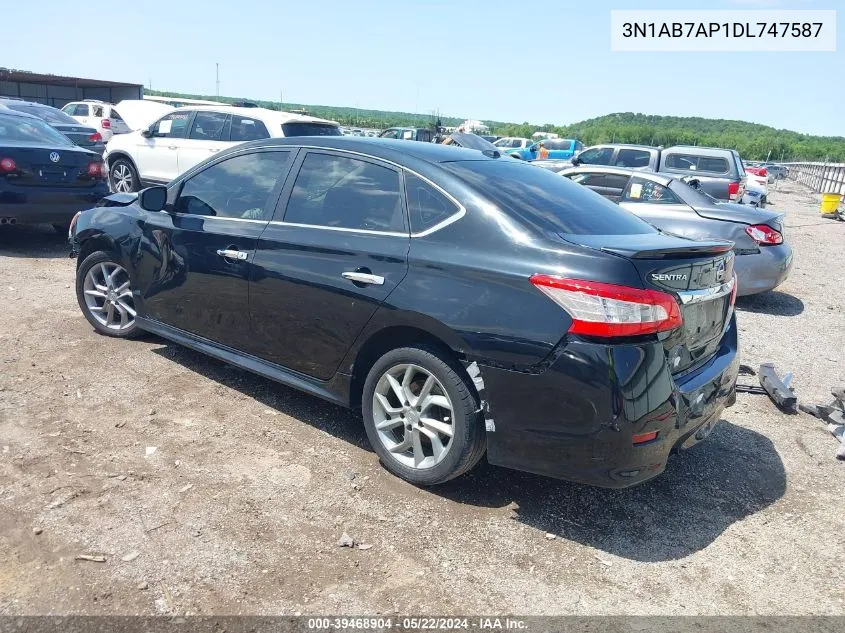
[233,491]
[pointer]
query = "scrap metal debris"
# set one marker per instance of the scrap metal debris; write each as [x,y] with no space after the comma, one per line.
[93,558]
[779,390]
[833,415]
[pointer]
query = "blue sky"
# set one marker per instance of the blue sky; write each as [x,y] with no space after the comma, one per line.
[537,61]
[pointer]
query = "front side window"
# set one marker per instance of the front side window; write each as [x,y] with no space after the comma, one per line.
[246,129]
[238,187]
[426,205]
[174,125]
[596,156]
[341,192]
[210,126]
[642,190]
[633,158]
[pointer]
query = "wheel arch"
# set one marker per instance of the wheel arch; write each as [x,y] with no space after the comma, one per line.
[388,338]
[94,243]
[113,156]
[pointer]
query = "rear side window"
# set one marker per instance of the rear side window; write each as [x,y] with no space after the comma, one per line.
[237,187]
[115,116]
[246,129]
[426,205]
[80,109]
[642,190]
[310,129]
[559,145]
[341,192]
[547,200]
[98,110]
[210,126]
[633,158]
[691,162]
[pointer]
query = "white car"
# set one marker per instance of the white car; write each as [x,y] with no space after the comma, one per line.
[756,190]
[185,137]
[99,115]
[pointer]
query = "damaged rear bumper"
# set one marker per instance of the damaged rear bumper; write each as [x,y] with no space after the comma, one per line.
[579,418]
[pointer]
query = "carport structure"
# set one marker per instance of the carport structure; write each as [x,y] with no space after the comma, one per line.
[56,91]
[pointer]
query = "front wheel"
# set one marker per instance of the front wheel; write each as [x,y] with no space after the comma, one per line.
[105,295]
[422,416]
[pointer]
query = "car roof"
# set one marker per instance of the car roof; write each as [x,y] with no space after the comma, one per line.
[699,149]
[660,179]
[393,150]
[257,113]
[632,145]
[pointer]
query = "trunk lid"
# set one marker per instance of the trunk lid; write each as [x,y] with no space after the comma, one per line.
[699,274]
[741,213]
[44,167]
[79,134]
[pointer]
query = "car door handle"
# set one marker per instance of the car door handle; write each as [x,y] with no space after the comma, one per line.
[227,253]
[214,149]
[172,147]
[364,278]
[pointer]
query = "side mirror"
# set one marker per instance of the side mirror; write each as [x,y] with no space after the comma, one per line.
[575,160]
[147,133]
[153,198]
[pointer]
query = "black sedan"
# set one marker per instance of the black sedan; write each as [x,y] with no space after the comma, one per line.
[466,303]
[81,135]
[43,176]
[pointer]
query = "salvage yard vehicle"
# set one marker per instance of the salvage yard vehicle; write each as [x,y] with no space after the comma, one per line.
[422,134]
[44,177]
[81,135]
[186,136]
[559,148]
[764,258]
[757,187]
[100,115]
[719,171]
[465,302]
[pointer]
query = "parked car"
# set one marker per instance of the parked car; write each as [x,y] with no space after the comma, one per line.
[408,134]
[81,135]
[720,171]
[509,143]
[559,148]
[756,186]
[778,172]
[186,136]
[467,304]
[100,115]
[44,177]
[764,258]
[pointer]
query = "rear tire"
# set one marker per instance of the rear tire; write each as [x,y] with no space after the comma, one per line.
[105,295]
[122,177]
[426,439]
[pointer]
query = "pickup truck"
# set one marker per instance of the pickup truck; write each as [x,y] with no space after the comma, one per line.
[719,171]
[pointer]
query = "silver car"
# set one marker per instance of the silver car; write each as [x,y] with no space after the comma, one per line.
[675,206]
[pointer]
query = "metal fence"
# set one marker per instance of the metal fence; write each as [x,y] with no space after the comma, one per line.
[820,177]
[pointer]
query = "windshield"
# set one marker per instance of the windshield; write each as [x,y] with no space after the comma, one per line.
[51,115]
[23,130]
[310,129]
[547,200]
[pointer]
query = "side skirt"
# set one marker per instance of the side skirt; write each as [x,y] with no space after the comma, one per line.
[335,390]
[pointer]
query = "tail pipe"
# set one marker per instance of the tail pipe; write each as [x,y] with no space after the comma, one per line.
[8,221]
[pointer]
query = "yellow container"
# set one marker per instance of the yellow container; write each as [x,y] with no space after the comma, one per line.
[830,202]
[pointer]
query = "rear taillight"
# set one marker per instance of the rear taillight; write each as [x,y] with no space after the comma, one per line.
[105,124]
[733,190]
[600,309]
[96,137]
[7,165]
[733,290]
[764,234]
[96,170]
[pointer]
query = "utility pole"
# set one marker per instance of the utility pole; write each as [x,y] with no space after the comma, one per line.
[151,83]
[281,100]
[217,64]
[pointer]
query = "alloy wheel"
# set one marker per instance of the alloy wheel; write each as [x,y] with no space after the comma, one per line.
[108,296]
[121,176]
[413,416]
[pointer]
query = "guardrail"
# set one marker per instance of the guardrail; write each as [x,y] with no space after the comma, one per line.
[820,177]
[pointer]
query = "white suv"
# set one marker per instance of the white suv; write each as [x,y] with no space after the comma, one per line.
[187,136]
[99,115]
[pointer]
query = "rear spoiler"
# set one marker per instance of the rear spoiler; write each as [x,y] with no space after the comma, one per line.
[651,245]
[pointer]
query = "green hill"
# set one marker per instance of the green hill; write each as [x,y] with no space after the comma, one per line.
[752,140]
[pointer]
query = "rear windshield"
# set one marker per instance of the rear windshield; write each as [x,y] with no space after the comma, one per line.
[23,130]
[546,199]
[51,115]
[310,129]
[695,162]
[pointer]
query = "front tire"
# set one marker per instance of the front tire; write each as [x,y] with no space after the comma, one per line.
[105,295]
[421,415]
[123,178]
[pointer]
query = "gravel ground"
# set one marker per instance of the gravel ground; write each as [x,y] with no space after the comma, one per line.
[210,490]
